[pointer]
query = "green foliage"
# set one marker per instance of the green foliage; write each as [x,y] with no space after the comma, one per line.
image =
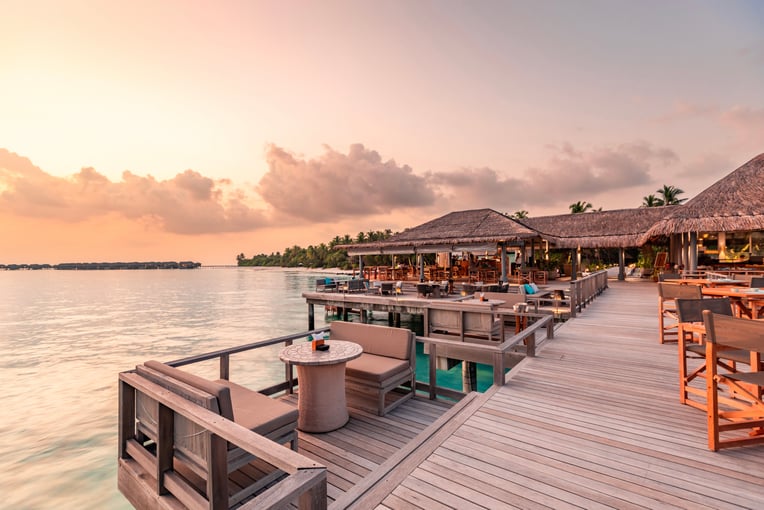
[322,255]
[580,207]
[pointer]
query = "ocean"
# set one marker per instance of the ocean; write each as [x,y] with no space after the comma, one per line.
[65,335]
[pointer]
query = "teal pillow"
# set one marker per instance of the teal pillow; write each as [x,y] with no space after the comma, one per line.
[327,281]
[529,289]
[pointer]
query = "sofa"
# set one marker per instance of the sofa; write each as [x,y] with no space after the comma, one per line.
[386,371]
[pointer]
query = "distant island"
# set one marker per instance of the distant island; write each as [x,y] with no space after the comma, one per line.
[91,266]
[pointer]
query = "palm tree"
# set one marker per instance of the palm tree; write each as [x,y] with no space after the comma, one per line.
[519,214]
[580,207]
[651,201]
[670,194]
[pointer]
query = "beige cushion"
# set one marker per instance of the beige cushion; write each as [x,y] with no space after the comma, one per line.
[258,412]
[217,390]
[380,340]
[375,368]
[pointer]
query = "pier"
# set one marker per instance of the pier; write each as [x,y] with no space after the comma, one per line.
[593,420]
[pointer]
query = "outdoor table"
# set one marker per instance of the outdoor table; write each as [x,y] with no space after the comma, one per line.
[321,381]
[706,282]
[754,299]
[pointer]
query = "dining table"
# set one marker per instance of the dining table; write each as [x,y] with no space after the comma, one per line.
[747,302]
[708,282]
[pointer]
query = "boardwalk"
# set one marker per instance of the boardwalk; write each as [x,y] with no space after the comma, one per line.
[592,422]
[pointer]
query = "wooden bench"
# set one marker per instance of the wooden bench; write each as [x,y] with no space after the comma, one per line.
[386,371]
[463,322]
[193,459]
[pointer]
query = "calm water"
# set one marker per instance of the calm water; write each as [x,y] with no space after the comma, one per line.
[65,335]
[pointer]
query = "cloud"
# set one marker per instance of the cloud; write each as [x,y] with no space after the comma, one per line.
[189,203]
[337,185]
[569,174]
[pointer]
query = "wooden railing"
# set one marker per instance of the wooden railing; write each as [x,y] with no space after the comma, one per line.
[499,356]
[584,290]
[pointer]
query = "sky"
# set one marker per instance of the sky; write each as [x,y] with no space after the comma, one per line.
[199,130]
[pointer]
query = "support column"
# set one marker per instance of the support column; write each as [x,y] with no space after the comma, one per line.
[421,267]
[360,267]
[621,264]
[504,278]
[574,265]
[693,258]
[311,317]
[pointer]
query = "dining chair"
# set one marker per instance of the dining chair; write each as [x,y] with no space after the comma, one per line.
[668,326]
[735,406]
[691,346]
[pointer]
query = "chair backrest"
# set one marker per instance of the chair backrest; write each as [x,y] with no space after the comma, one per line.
[691,310]
[677,290]
[757,282]
[669,276]
[734,332]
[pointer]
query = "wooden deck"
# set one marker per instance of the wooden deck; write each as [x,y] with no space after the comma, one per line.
[592,422]
[368,440]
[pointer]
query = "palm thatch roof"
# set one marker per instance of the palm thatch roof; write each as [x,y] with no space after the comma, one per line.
[622,228]
[475,230]
[734,203]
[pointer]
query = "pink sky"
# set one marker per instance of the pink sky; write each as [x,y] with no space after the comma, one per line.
[199,130]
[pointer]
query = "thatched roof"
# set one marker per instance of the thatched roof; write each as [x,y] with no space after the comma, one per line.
[733,203]
[622,228]
[479,229]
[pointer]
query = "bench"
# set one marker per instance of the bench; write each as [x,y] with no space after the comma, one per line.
[462,321]
[254,411]
[386,371]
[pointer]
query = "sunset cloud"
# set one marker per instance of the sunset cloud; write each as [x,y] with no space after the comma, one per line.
[337,185]
[189,203]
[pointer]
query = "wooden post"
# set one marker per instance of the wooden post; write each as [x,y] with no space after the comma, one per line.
[433,372]
[165,445]
[126,417]
[574,265]
[504,277]
[225,370]
[311,317]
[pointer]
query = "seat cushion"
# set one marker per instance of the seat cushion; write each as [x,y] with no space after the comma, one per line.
[258,412]
[375,368]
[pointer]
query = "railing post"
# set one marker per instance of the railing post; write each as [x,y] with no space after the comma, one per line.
[433,372]
[126,417]
[225,367]
[165,444]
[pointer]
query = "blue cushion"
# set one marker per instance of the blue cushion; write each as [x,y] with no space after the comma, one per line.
[529,289]
[327,281]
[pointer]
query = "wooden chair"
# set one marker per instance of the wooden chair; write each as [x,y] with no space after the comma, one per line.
[668,325]
[757,282]
[691,345]
[740,407]
[193,459]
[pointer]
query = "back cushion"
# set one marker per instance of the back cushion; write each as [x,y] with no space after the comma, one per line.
[380,340]
[529,289]
[217,390]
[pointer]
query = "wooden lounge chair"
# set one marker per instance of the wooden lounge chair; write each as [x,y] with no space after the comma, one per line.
[735,417]
[193,461]
[668,325]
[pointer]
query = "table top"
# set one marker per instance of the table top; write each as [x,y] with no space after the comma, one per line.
[303,353]
[707,282]
[743,292]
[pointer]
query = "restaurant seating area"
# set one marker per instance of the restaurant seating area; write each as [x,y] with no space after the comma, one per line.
[719,331]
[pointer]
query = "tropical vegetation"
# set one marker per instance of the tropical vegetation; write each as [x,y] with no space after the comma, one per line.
[322,255]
